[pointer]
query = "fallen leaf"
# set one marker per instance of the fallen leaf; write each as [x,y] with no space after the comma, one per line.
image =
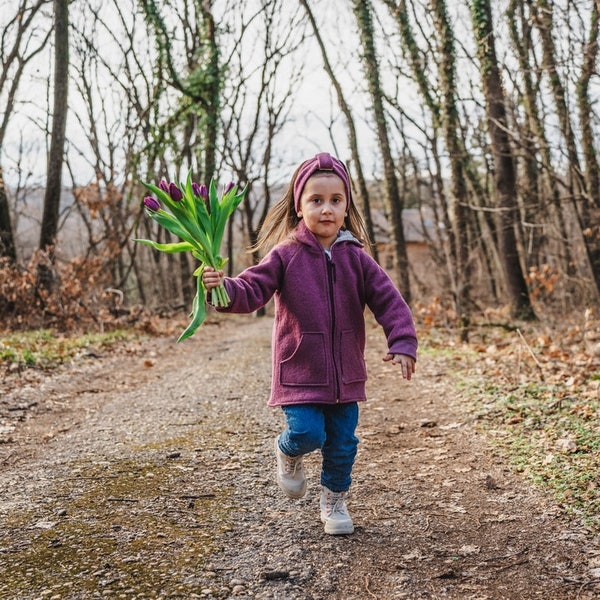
[451,426]
[413,555]
[45,524]
[453,508]
[565,445]
[490,483]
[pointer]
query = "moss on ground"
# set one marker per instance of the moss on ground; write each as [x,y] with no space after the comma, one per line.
[122,528]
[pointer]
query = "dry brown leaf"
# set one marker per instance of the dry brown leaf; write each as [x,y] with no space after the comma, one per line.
[565,445]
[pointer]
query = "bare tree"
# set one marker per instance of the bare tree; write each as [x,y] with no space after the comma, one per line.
[121,147]
[440,114]
[198,77]
[256,111]
[50,216]
[462,237]
[20,42]
[540,182]
[423,64]
[583,205]
[199,84]
[591,204]
[363,195]
[504,167]
[394,202]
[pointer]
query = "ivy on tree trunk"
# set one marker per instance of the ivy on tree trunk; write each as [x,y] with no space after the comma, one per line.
[504,166]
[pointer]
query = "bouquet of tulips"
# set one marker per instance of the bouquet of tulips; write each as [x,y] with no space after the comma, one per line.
[197,216]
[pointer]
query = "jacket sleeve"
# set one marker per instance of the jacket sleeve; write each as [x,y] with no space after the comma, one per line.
[390,309]
[255,286]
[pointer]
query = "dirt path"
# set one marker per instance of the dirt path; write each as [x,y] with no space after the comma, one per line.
[149,474]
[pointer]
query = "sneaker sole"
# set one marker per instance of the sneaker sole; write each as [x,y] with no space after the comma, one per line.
[339,528]
[290,494]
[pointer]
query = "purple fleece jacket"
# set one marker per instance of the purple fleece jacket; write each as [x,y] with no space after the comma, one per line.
[319,329]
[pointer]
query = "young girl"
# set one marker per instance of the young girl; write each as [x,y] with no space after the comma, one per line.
[321,278]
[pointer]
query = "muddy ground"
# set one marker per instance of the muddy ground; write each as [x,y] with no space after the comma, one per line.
[148,473]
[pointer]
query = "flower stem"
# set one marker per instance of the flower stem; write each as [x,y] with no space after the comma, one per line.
[220,297]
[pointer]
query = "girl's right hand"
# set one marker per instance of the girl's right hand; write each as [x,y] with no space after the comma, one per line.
[211,278]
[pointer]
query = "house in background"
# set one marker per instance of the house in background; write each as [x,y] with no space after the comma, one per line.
[420,229]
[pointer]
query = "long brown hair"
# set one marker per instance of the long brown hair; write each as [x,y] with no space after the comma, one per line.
[282,220]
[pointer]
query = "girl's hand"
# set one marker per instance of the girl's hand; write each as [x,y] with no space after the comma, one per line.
[211,278]
[406,362]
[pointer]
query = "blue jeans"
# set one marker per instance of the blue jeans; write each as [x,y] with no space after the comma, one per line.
[330,428]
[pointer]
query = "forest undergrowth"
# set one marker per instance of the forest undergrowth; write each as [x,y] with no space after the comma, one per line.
[533,387]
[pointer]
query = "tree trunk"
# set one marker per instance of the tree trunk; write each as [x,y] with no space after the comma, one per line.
[582,206]
[591,203]
[213,80]
[14,56]
[534,210]
[504,167]
[540,183]
[394,203]
[7,241]
[461,239]
[49,228]
[353,137]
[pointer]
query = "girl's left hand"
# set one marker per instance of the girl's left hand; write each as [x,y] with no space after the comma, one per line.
[406,362]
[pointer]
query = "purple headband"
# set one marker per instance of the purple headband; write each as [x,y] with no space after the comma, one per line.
[321,162]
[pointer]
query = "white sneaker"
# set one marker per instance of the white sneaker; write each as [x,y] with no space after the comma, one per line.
[334,512]
[290,473]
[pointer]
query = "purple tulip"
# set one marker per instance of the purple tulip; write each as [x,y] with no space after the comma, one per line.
[175,193]
[200,191]
[151,203]
[229,186]
[163,185]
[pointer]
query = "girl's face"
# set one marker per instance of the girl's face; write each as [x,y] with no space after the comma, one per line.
[323,206]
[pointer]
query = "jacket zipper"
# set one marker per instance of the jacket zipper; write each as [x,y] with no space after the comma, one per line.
[331,280]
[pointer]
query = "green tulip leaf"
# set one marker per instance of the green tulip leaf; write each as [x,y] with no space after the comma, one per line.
[168,248]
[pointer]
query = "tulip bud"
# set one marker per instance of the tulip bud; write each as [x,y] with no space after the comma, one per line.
[200,191]
[229,186]
[175,192]
[163,185]
[151,203]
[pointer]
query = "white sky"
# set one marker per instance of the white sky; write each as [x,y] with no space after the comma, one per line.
[315,105]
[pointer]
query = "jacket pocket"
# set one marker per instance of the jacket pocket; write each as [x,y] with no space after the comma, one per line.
[308,364]
[354,369]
